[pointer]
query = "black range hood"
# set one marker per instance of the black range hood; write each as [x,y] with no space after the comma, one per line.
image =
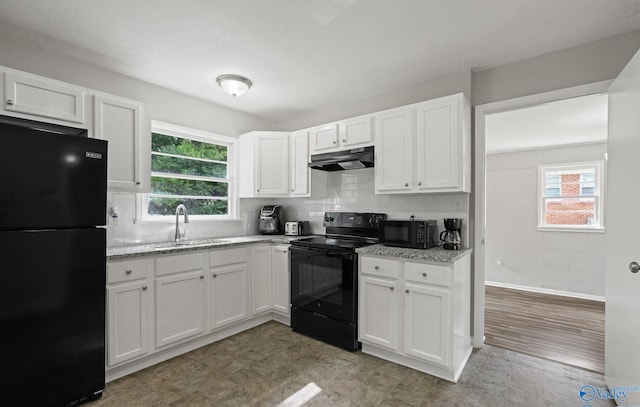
[343,160]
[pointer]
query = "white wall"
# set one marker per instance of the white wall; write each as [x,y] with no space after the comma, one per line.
[563,261]
[428,89]
[588,63]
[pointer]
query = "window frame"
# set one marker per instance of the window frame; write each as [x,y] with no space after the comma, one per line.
[230,143]
[599,196]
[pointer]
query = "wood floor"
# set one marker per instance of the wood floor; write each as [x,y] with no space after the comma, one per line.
[561,329]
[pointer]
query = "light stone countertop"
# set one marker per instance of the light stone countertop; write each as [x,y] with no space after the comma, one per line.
[435,254]
[150,249]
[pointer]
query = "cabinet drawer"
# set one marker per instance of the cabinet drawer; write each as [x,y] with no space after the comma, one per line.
[428,274]
[129,270]
[179,263]
[228,256]
[379,267]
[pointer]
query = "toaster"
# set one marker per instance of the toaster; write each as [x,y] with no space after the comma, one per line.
[300,228]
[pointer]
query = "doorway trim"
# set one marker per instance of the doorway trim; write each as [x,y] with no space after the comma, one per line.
[481,111]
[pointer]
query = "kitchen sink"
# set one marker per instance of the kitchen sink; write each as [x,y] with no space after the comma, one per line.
[188,243]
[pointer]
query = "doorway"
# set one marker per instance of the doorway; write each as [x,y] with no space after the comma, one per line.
[521,250]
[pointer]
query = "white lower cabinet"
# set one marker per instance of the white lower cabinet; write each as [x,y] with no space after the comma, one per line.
[280,277]
[261,291]
[416,314]
[379,312]
[180,297]
[228,286]
[129,300]
[159,306]
[426,329]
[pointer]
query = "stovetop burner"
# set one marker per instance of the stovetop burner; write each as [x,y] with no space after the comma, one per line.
[334,242]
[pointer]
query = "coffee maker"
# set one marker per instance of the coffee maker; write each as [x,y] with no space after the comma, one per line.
[271,220]
[451,239]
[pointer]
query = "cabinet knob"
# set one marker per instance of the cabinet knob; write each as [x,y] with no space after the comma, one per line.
[424,274]
[634,267]
[11,102]
[419,182]
[201,277]
[335,142]
[344,140]
[406,291]
[137,182]
[144,288]
[257,190]
[391,288]
[128,272]
[406,184]
[214,275]
[376,268]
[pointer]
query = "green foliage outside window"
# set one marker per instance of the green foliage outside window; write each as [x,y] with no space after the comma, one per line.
[206,195]
[161,143]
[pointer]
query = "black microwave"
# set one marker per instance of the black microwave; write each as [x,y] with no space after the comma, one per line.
[414,234]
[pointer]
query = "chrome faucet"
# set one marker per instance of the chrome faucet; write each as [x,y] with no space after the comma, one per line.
[186,219]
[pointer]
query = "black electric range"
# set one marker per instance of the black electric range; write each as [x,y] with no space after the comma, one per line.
[324,278]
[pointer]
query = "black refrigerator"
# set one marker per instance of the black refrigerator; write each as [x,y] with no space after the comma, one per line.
[52,264]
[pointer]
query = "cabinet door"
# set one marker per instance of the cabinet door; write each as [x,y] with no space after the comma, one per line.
[281,281]
[356,132]
[394,151]
[179,306]
[299,172]
[438,143]
[128,321]
[119,121]
[261,293]
[272,164]
[324,138]
[228,294]
[378,320]
[427,324]
[38,96]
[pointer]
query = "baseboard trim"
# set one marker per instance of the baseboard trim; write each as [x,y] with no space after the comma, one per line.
[546,291]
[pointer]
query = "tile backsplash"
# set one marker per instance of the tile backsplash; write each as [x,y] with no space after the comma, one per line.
[351,190]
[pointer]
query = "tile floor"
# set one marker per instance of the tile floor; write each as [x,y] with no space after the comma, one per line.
[267,364]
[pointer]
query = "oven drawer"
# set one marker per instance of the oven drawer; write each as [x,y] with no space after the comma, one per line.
[428,274]
[379,267]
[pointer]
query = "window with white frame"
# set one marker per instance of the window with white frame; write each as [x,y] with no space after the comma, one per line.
[189,167]
[571,195]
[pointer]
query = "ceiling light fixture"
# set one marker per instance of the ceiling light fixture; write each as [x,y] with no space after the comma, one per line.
[235,85]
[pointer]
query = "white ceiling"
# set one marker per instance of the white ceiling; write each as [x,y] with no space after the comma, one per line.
[565,122]
[303,55]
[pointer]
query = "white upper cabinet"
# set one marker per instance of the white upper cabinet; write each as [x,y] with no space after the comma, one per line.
[264,164]
[356,132]
[298,162]
[394,151]
[124,124]
[346,134]
[439,145]
[274,164]
[38,98]
[429,153]
[324,138]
